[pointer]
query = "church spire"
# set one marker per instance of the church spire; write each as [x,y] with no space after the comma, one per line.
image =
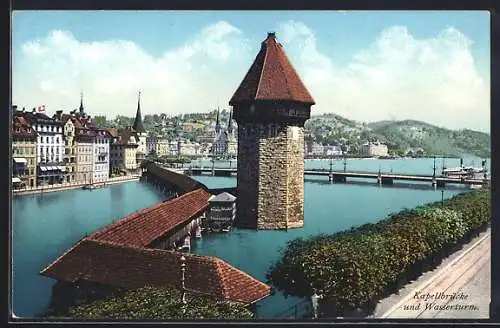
[230,123]
[81,103]
[138,126]
[217,123]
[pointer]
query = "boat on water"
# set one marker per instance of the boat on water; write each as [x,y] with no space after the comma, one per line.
[227,229]
[463,171]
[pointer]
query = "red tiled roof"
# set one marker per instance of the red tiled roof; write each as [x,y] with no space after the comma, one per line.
[132,268]
[22,128]
[271,77]
[144,227]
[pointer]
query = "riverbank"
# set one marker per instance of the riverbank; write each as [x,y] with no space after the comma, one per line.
[71,186]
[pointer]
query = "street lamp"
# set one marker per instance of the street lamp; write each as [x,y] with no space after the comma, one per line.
[183,270]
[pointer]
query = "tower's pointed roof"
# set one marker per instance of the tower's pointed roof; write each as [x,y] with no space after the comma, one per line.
[138,126]
[81,103]
[230,123]
[217,123]
[271,77]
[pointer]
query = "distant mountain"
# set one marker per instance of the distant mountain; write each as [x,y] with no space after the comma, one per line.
[399,135]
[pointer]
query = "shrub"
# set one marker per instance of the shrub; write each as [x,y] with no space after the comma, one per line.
[158,303]
[356,266]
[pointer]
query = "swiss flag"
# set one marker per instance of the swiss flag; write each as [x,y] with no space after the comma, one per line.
[40,109]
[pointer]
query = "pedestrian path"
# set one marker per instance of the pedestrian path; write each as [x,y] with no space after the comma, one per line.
[459,288]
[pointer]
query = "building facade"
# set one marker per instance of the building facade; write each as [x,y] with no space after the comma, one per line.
[84,155]
[70,150]
[123,151]
[373,149]
[23,153]
[270,107]
[50,148]
[100,150]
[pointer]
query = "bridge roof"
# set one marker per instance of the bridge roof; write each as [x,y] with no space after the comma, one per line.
[128,267]
[142,228]
[272,77]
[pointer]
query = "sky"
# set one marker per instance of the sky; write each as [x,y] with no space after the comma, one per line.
[432,66]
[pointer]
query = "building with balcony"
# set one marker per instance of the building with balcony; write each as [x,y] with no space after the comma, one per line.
[50,147]
[23,153]
[100,150]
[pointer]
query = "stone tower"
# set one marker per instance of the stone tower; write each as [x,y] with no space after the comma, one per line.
[270,107]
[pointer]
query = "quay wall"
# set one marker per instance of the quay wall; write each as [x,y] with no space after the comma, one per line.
[70,186]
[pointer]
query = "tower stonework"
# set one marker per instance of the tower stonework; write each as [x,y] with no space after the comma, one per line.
[271,106]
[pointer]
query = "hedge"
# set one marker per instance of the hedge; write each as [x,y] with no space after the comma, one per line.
[158,303]
[358,266]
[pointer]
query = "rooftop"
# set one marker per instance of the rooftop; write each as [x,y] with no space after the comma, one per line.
[131,268]
[142,228]
[271,77]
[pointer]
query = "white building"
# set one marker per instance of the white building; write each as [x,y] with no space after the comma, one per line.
[188,148]
[332,151]
[100,150]
[50,148]
[373,149]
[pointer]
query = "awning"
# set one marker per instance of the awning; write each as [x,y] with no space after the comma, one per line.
[62,168]
[52,168]
[20,160]
[16,180]
[43,168]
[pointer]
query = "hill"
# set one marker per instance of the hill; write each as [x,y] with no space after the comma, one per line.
[400,136]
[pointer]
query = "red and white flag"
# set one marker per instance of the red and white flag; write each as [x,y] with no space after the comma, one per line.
[41,109]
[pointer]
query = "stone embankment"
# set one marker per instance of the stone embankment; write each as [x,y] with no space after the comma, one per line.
[70,186]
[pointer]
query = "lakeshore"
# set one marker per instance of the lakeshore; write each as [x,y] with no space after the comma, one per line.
[72,186]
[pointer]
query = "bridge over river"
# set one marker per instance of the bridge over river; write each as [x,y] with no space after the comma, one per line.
[341,176]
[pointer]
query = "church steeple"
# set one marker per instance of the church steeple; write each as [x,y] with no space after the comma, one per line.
[81,104]
[217,123]
[138,126]
[230,123]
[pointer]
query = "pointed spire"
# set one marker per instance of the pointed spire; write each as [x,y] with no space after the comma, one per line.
[81,103]
[138,126]
[217,123]
[230,123]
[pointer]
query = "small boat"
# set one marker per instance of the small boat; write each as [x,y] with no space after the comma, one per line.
[89,187]
[227,229]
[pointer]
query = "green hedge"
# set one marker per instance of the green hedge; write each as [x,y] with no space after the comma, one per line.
[158,303]
[357,266]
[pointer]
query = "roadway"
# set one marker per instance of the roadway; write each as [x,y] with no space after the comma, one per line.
[465,275]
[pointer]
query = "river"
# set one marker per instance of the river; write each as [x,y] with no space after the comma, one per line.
[44,226]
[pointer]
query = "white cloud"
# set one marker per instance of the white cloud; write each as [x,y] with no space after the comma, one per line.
[55,69]
[396,77]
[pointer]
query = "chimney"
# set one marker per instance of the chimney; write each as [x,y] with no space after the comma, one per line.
[271,35]
[24,109]
[14,108]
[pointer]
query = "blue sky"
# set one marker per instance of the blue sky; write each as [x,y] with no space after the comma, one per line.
[363,65]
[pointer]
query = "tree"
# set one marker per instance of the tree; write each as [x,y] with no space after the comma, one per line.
[100,121]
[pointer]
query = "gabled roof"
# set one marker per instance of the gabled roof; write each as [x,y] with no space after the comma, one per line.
[271,77]
[132,268]
[142,228]
[21,128]
[223,197]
